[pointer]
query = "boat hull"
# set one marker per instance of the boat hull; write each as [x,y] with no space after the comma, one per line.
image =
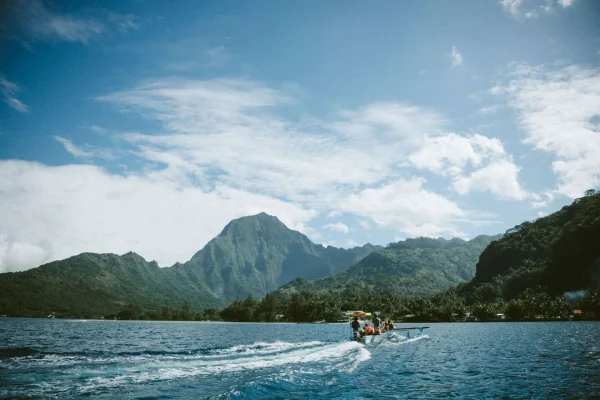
[370,339]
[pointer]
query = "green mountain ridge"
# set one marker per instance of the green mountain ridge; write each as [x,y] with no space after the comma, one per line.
[421,266]
[255,255]
[88,282]
[556,254]
[251,256]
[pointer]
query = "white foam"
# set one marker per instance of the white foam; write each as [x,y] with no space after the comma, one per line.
[106,371]
[264,347]
[344,356]
[398,338]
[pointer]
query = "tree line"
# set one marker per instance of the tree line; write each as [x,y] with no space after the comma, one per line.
[448,306]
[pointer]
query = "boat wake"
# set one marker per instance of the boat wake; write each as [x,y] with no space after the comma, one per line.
[82,373]
[397,338]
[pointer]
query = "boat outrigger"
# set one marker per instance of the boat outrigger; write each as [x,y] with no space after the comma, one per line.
[377,338]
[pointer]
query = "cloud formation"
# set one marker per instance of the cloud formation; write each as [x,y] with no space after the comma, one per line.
[225,151]
[337,227]
[8,90]
[457,59]
[44,24]
[41,21]
[51,213]
[492,168]
[534,7]
[559,110]
[406,206]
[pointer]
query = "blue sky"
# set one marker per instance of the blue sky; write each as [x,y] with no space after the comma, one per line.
[148,125]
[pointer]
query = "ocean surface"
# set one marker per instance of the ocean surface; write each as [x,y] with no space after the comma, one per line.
[192,360]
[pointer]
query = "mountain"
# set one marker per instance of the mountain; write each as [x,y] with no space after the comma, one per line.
[87,284]
[419,266]
[558,253]
[251,256]
[255,255]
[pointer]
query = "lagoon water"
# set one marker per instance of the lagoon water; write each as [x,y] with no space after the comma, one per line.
[191,360]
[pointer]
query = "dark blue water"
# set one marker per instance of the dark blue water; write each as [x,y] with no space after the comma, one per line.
[162,360]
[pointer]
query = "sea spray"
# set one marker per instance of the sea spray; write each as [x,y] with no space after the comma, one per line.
[94,372]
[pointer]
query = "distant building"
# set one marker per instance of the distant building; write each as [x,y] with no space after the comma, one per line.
[499,317]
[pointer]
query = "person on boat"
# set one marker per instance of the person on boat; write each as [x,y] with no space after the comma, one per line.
[391,324]
[368,329]
[376,325]
[355,328]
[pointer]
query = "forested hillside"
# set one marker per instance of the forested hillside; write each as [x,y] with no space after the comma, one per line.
[255,255]
[555,254]
[90,285]
[252,256]
[421,266]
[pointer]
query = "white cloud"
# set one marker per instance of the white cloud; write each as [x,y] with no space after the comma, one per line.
[511,6]
[37,20]
[449,154]
[226,126]
[334,214]
[221,153]
[489,110]
[496,90]
[389,121]
[542,214]
[541,200]
[457,59]
[8,90]
[531,14]
[51,213]
[223,131]
[538,204]
[124,22]
[499,178]
[98,129]
[43,24]
[559,109]
[406,206]
[337,227]
[566,3]
[71,148]
[79,152]
[364,224]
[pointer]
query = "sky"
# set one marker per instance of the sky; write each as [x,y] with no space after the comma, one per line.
[147,126]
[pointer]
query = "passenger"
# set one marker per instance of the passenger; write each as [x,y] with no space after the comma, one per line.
[376,325]
[368,329]
[355,329]
[391,325]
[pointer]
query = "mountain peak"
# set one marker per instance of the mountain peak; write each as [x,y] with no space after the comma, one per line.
[252,222]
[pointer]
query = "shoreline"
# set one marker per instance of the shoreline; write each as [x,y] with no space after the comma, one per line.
[291,322]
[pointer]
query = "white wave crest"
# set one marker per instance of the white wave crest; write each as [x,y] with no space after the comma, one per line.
[344,356]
